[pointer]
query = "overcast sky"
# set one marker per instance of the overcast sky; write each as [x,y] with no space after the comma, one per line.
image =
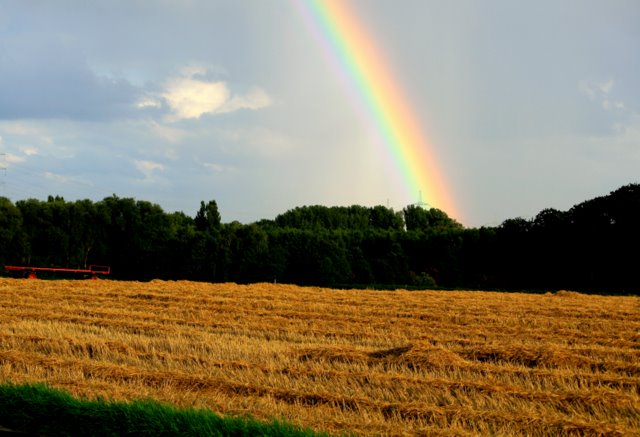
[528,105]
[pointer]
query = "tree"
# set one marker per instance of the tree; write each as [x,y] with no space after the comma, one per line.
[46,228]
[210,249]
[549,220]
[208,218]
[385,218]
[86,234]
[182,246]
[417,218]
[12,239]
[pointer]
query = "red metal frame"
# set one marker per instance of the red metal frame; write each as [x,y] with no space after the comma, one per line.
[94,271]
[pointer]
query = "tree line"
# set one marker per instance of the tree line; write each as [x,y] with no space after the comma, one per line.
[593,247]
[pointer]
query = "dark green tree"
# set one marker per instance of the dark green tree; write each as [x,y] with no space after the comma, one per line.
[208,217]
[381,217]
[212,250]
[12,239]
[417,218]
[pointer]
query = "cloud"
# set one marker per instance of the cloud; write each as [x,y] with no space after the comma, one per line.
[27,138]
[606,87]
[10,158]
[218,168]
[609,105]
[254,99]
[194,94]
[30,151]
[587,89]
[601,92]
[20,128]
[167,133]
[190,98]
[59,178]
[148,168]
[148,102]
[49,81]
[256,141]
[39,137]
[7,157]
[596,90]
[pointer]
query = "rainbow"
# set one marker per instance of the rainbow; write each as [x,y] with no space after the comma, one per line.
[369,81]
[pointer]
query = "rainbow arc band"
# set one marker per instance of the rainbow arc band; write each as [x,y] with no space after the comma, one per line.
[368,79]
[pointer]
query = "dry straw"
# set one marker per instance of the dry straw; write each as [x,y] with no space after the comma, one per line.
[367,362]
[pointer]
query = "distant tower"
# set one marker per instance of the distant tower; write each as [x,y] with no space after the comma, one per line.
[420,203]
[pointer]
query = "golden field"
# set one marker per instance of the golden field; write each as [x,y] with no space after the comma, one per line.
[364,362]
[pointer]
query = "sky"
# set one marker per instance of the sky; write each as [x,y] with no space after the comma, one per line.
[525,105]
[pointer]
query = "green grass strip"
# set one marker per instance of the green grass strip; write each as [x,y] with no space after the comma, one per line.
[39,409]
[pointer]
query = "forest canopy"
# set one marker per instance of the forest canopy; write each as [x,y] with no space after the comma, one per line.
[592,247]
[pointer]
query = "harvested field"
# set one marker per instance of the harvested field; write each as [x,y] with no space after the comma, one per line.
[367,362]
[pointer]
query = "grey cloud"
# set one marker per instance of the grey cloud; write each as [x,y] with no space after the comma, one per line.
[54,82]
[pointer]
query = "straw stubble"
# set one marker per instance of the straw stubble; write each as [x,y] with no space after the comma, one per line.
[367,362]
